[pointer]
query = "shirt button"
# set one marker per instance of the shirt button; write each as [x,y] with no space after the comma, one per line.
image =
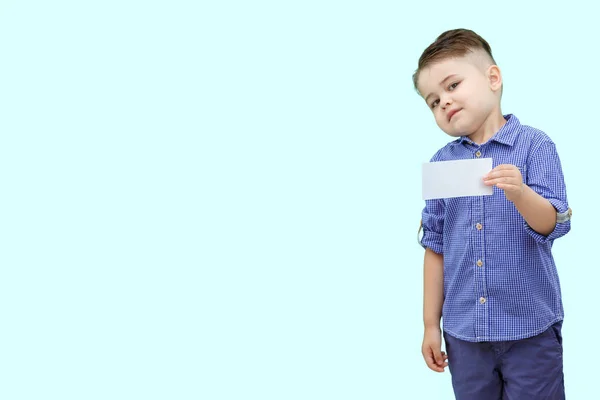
[478,154]
[479,263]
[479,227]
[482,300]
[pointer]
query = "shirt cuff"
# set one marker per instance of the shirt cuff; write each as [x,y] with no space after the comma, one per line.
[433,241]
[563,223]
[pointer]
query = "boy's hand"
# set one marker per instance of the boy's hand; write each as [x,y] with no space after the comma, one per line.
[431,349]
[508,178]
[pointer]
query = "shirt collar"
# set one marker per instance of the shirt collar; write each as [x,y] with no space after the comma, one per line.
[506,135]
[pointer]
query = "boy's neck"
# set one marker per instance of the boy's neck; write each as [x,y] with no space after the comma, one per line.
[488,129]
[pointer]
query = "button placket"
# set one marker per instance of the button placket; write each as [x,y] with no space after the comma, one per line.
[479,227]
[482,315]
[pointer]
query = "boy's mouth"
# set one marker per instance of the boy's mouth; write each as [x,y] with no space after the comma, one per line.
[452,113]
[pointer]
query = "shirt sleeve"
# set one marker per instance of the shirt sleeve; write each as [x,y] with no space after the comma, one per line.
[545,177]
[432,220]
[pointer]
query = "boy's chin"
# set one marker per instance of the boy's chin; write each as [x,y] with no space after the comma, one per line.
[455,134]
[458,130]
[454,130]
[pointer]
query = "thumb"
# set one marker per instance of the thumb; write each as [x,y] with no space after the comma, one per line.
[437,354]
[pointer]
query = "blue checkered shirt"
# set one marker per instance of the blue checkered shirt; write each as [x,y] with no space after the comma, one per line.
[500,279]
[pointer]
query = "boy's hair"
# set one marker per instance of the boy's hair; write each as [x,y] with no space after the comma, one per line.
[452,43]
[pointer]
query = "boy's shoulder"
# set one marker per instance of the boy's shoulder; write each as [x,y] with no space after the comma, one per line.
[532,134]
[530,140]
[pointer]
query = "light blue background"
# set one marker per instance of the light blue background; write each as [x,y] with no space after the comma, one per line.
[220,200]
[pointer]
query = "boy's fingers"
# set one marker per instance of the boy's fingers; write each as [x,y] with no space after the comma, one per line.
[499,176]
[445,357]
[438,357]
[432,365]
[500,173]
[500,181]
[431,362]
[428,359]
[504,167]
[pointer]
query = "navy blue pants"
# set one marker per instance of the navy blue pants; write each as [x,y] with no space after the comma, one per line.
[526,369]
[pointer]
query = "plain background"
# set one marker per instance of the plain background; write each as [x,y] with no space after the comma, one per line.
[220,200]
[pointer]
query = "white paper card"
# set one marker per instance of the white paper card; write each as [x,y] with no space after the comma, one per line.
[447,179]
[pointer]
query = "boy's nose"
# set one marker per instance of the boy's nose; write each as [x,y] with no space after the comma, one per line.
[445,101]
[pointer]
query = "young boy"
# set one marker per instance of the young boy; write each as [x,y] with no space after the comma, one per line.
[488,265]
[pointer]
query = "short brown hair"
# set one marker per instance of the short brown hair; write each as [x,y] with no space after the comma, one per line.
[452,43]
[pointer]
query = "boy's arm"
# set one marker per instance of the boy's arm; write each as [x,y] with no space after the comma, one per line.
[543,199]
[433,289]
[539,214]
[537,211]
[433,299]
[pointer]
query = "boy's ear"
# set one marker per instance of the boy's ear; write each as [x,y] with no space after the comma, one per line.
[494,77]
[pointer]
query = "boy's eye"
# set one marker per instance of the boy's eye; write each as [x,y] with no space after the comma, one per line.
[453,86]
[435,103]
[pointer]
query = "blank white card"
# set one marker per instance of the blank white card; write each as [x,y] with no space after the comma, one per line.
[447,179]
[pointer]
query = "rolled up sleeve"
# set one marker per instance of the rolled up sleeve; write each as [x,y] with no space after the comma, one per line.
[432,219]
[545,177]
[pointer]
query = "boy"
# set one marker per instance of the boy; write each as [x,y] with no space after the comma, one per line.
[488,265]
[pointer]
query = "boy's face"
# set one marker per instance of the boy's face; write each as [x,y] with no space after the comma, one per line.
[461,93]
